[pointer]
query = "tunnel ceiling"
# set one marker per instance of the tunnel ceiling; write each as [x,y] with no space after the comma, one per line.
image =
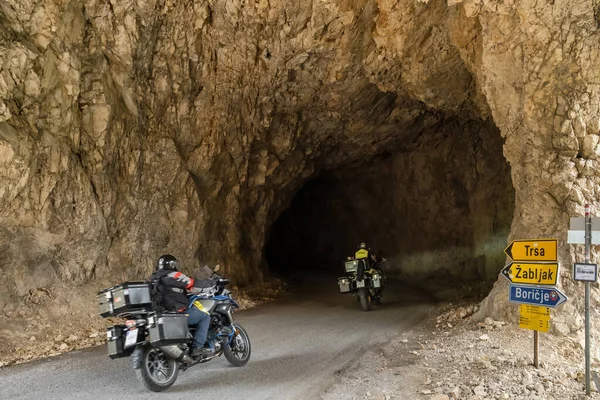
[128,129]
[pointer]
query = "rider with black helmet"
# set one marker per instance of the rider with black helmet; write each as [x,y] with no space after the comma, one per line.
[173,287]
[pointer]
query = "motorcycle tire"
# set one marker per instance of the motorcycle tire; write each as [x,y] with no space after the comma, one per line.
[365,299]
[377,300]
[239,350]
[156,371]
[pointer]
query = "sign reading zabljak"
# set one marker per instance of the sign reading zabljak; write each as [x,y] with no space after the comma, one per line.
[531,273]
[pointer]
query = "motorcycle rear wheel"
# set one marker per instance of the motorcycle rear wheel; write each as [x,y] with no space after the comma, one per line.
[365,299]
[239,350]
[157,371]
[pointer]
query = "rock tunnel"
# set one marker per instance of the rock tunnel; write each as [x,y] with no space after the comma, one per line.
[273,136]
[439,211]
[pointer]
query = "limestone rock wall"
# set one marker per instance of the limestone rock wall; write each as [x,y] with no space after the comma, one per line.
[132,128]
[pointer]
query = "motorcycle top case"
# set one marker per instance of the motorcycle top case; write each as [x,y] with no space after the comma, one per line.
[351,266]
[167,328]
[126,297]
[105,302]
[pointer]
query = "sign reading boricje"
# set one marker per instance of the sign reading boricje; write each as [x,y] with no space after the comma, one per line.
[537,296]
[532,250]
[531,273]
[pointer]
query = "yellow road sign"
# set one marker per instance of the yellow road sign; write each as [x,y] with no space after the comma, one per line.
[531,273]
[527,309]
[534,318]
[532,250]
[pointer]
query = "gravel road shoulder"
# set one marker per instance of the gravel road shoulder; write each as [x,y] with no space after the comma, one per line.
[452,357]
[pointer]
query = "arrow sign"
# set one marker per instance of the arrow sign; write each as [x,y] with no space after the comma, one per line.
[532,250]
[531,273]
[537,296]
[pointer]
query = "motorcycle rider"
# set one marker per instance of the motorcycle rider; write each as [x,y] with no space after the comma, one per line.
[173,287]
[364,253]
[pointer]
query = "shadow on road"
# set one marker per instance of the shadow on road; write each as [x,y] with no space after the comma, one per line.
[258,373]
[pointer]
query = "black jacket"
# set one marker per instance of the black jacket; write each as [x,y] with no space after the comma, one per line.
[173,287]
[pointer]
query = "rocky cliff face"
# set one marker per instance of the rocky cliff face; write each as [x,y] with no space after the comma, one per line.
[128,129]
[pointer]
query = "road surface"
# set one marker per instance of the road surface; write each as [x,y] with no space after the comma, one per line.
[298,343]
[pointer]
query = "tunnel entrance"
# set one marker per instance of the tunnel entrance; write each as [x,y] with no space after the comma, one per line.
[440,211]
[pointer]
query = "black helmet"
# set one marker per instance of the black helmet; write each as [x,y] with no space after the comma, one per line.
[362,245]
[167,261]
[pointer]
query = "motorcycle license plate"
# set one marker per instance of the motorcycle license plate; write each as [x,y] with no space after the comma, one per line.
[131,338]
[360,284]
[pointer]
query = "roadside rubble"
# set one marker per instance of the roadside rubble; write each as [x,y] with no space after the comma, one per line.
[450,357]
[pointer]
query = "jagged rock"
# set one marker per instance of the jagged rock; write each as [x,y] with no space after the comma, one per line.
[480,391]
[475,397]
[72,339]
[455,393]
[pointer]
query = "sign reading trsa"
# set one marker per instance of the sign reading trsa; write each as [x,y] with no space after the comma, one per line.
[532,250]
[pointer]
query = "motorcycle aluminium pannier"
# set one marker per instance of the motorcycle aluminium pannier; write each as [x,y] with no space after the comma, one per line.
[345,284]
[115,336]
[126,297]
[376,280]
[167,328]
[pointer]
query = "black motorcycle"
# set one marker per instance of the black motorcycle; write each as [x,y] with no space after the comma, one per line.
[365,283]
[159,342]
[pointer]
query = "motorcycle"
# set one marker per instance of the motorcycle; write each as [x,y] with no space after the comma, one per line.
[159,342]
[365,283]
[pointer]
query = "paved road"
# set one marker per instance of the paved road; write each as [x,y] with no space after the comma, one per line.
[298,344]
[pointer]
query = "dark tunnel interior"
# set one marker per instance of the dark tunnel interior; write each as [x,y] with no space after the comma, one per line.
[440,212]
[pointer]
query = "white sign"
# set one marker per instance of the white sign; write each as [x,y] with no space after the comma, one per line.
[578,223]
[585,272]
[578,237]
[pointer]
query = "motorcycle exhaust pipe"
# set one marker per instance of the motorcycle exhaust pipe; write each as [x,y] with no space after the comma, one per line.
[176,353]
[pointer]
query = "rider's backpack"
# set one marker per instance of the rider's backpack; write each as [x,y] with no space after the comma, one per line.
[156,295]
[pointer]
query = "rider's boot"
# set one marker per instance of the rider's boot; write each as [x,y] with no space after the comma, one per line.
[201,351]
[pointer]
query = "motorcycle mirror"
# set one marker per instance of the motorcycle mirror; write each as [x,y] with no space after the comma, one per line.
[217,268]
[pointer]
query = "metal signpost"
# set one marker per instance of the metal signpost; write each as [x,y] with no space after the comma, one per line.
[534,264]
[586,272]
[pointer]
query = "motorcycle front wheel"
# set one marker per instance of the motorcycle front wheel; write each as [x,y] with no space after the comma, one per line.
[239,350]
[157,371]
[365,299]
